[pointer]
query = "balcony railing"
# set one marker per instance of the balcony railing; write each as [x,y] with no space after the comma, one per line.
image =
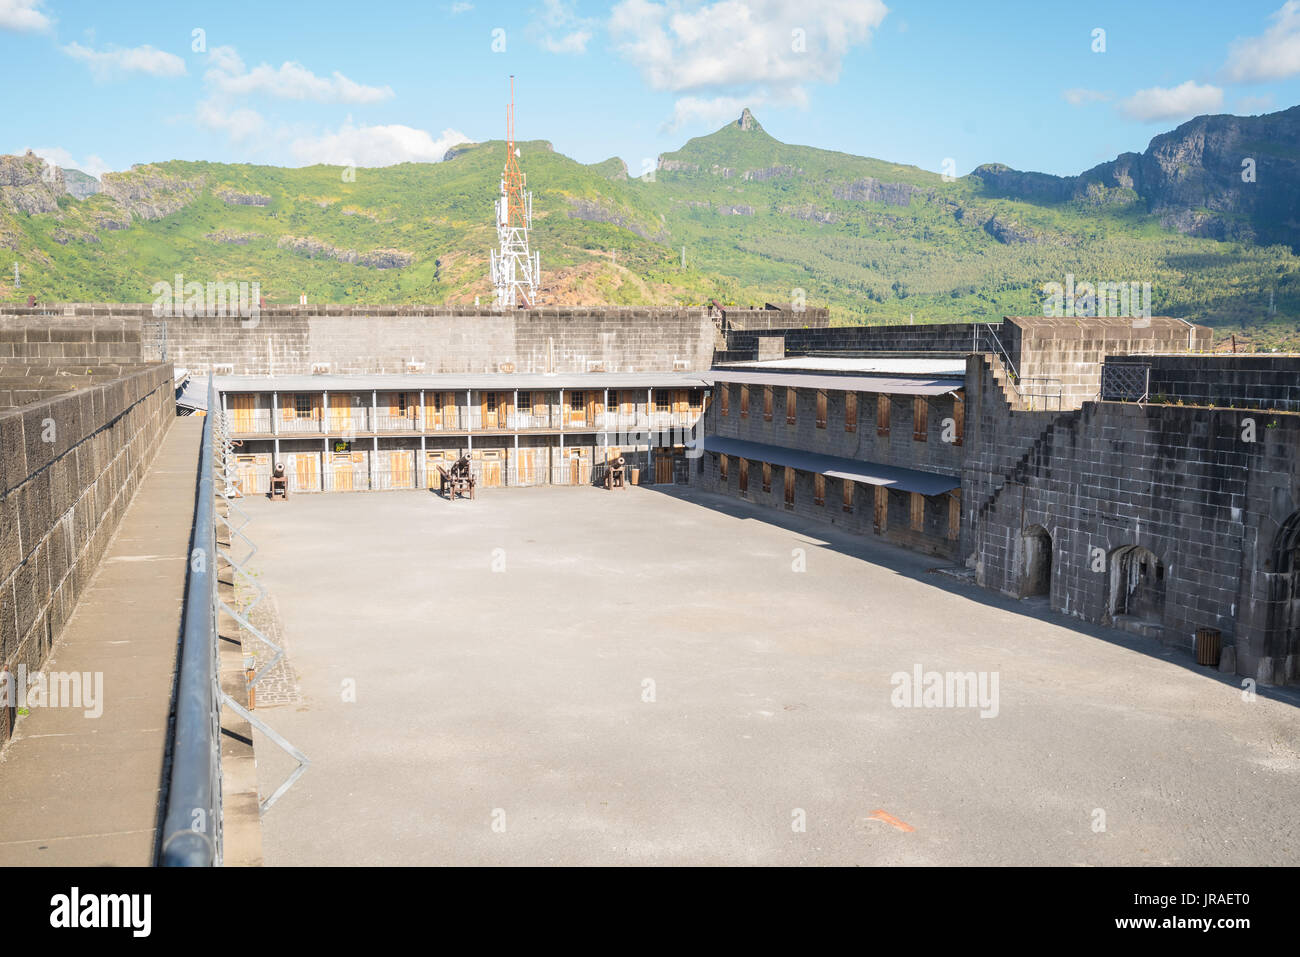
[387,422]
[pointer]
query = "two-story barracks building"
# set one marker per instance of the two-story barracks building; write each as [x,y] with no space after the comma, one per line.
[872,444]
[373,432]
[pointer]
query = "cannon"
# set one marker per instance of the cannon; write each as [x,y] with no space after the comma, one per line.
[458,480]
[616,473]
[279,483]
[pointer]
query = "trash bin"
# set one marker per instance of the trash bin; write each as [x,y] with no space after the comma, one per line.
[635,476]
[1208,646]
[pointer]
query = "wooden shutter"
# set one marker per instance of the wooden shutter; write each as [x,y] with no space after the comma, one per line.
[918,512]
[850,412]
[791,407]
[920,418]
[821,408]
[848,495]
[789,487]
[767,403]
[954,515]
[722,467]
[882,414]
[724,398]
[767,477]
[744,402]
[958,418]
[819,489]
[744,475]
[880,520]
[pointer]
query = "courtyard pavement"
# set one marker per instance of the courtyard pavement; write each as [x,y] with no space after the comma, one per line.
[574,676]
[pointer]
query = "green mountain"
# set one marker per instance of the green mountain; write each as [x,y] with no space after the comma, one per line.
[758,219]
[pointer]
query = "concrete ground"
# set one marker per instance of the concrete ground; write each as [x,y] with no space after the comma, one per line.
[573,676]
[85,790]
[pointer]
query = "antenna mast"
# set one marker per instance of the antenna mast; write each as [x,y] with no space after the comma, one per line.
[515,271]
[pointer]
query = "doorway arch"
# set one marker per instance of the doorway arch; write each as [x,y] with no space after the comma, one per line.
[1137,585]
[1036,562]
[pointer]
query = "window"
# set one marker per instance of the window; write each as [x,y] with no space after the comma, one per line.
[848,496]
[959,419]
[662,404]
[920,418]
[744,402]
[821,408]
[724,397]
[611,402]
[577,399]
[850,412]
[918,512]
[744,476]
[789,487]
[790,407]
[722,467]
[819,489]
[492,403]
[882,415]
[302,405]
[767,477]
[767,403]
[880,520]
[526,403]
[403,403]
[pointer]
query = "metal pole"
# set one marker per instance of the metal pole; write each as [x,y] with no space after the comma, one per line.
[275,413]
[325,411]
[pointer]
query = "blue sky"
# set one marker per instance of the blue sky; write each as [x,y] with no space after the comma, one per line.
[104,85]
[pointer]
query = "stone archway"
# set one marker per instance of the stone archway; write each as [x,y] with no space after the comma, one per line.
[1036,562]
[1137,590]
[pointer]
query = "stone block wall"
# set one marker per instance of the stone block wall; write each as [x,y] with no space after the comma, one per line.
[292,339]
[1228,381]
[69,466]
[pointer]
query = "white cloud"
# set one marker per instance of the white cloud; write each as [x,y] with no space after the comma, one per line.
[142,59]
[561,17]
[239,124]
[459,8]
[715,110]
[23,16]
[1159,103]
[1079,96]
[371,146]
[228,75]
[741,42]
[755,51]
[575,42]
[1272,56]
[57,156]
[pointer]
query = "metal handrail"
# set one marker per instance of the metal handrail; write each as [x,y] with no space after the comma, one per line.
[192,826]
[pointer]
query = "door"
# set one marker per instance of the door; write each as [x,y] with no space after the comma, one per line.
[341,413]
[490,409]
[663,468]
[241,413]
[577,408]
[342,464]
[525,471]
[492,468]
[304,472]
[246,473]
[399,469]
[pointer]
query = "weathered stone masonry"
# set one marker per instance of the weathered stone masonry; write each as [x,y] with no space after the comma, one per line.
[69,466]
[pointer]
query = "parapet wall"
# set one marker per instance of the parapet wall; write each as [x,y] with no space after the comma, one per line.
[1228,381]
[960,337]
[69,467]
[397,339]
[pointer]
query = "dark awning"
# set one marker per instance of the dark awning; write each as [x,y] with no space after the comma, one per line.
[836,466]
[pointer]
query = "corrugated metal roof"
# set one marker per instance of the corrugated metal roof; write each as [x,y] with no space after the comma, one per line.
[870,473]
[193,394]
[452,381]
[894,385]
[878,365]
